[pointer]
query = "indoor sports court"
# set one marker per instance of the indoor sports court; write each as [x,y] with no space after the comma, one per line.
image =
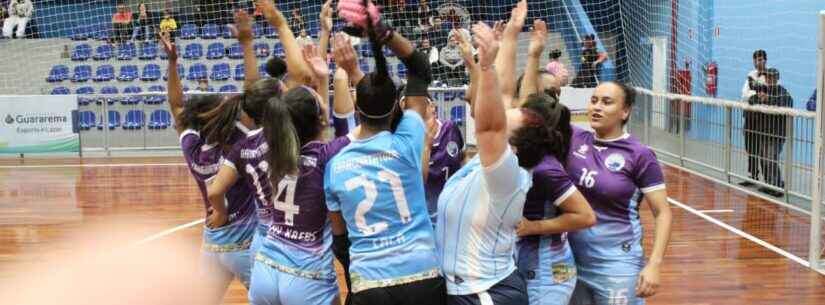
[97,198]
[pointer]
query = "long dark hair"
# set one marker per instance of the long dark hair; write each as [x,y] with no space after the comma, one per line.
[305,113]
[194,108]
[546,130]
[376,93]
[281,138]
[220,121]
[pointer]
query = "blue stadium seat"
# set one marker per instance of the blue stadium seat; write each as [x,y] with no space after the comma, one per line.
[197,71]
[80,33]
[148,51]
[364,50]
[61,91]
[160,119]
[193,51]
[189,31]
[257,30]
[215,50]
[457,114]
[278,49]
[228,88]
[126,51]
[82,52]
[104,73]
[165,57]
[262,50]
[402,71]
[180,73]
[388,52]
[58,74]
[185,88]
[226,32]
[87,120]
[270,32]
[210,31]
[151,72]
[104,52]
[235,51]
[220,72]
[81,99]
[109,90]
[262,71]
[135,119]
[240,72]
[131,99]
[114,120]
[128,73]
[155,99]
[365,66]
[103,32]
[82,73]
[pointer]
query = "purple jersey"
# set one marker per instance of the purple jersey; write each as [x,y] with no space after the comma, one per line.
[248,158]
[299,238]
[204,161]
[446,155]
[546,254]
[613,175]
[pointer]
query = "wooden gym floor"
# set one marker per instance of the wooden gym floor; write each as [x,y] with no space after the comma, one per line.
[43,202]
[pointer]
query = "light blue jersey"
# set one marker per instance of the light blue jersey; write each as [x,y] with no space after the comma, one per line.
[476,228]
[377,185]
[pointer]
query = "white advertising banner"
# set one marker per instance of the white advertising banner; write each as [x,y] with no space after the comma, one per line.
[38,124]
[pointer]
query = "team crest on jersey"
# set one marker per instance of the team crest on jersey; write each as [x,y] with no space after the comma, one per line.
[614,162]
[309,161]
[581,153]
[452,148]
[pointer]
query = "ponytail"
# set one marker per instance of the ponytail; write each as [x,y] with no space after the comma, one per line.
[546,130]
[282,140]
[219,123]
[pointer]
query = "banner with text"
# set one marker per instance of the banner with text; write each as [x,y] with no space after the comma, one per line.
[38,124]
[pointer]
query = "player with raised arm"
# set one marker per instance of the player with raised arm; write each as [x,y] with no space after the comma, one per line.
[230,221]
[615,172]
[375,186]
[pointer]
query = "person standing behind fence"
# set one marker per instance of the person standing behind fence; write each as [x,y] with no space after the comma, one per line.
[591,61]
[755,79]
[20,12]
[772,128]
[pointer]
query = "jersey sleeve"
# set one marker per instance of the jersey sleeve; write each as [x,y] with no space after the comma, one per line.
[190,142]
[648,174]
[504,177]
[555,181]
[343,123]
[333,205]
[410,138]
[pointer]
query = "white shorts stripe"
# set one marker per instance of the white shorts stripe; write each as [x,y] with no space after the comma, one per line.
[485,299]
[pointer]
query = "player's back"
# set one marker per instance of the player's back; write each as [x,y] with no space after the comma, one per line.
[300,237]
[446,155]
[377,185]
[248,158]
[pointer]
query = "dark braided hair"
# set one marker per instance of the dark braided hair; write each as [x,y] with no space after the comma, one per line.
[546,130]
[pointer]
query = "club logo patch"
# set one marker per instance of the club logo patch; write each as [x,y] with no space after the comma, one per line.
[614,162]
[452,148]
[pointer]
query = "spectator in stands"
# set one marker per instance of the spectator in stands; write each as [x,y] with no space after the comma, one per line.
[756,79]
[452,64]
[168,25]
[557,69]
[430,51]
[143,22]
[438,33]
[20,12]
[296,22]
[591,61]
[772,127]
[811,106]
[423,14]
[3,13]
[303,38]
[122,23]
[203,85]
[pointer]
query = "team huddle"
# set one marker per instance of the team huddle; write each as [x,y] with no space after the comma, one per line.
[543,213]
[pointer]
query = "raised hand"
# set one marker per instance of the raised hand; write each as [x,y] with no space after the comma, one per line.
[354,12]
[498,28]
[270,12]
[518,16]
[312,56]
[465,48]
[326,16]
[243,27]
[538,38]
[344,53]
[168,46]
[487,45]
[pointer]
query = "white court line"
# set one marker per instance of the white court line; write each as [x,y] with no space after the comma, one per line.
[715,211]
[167,232]
[89,165]
[741,233]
